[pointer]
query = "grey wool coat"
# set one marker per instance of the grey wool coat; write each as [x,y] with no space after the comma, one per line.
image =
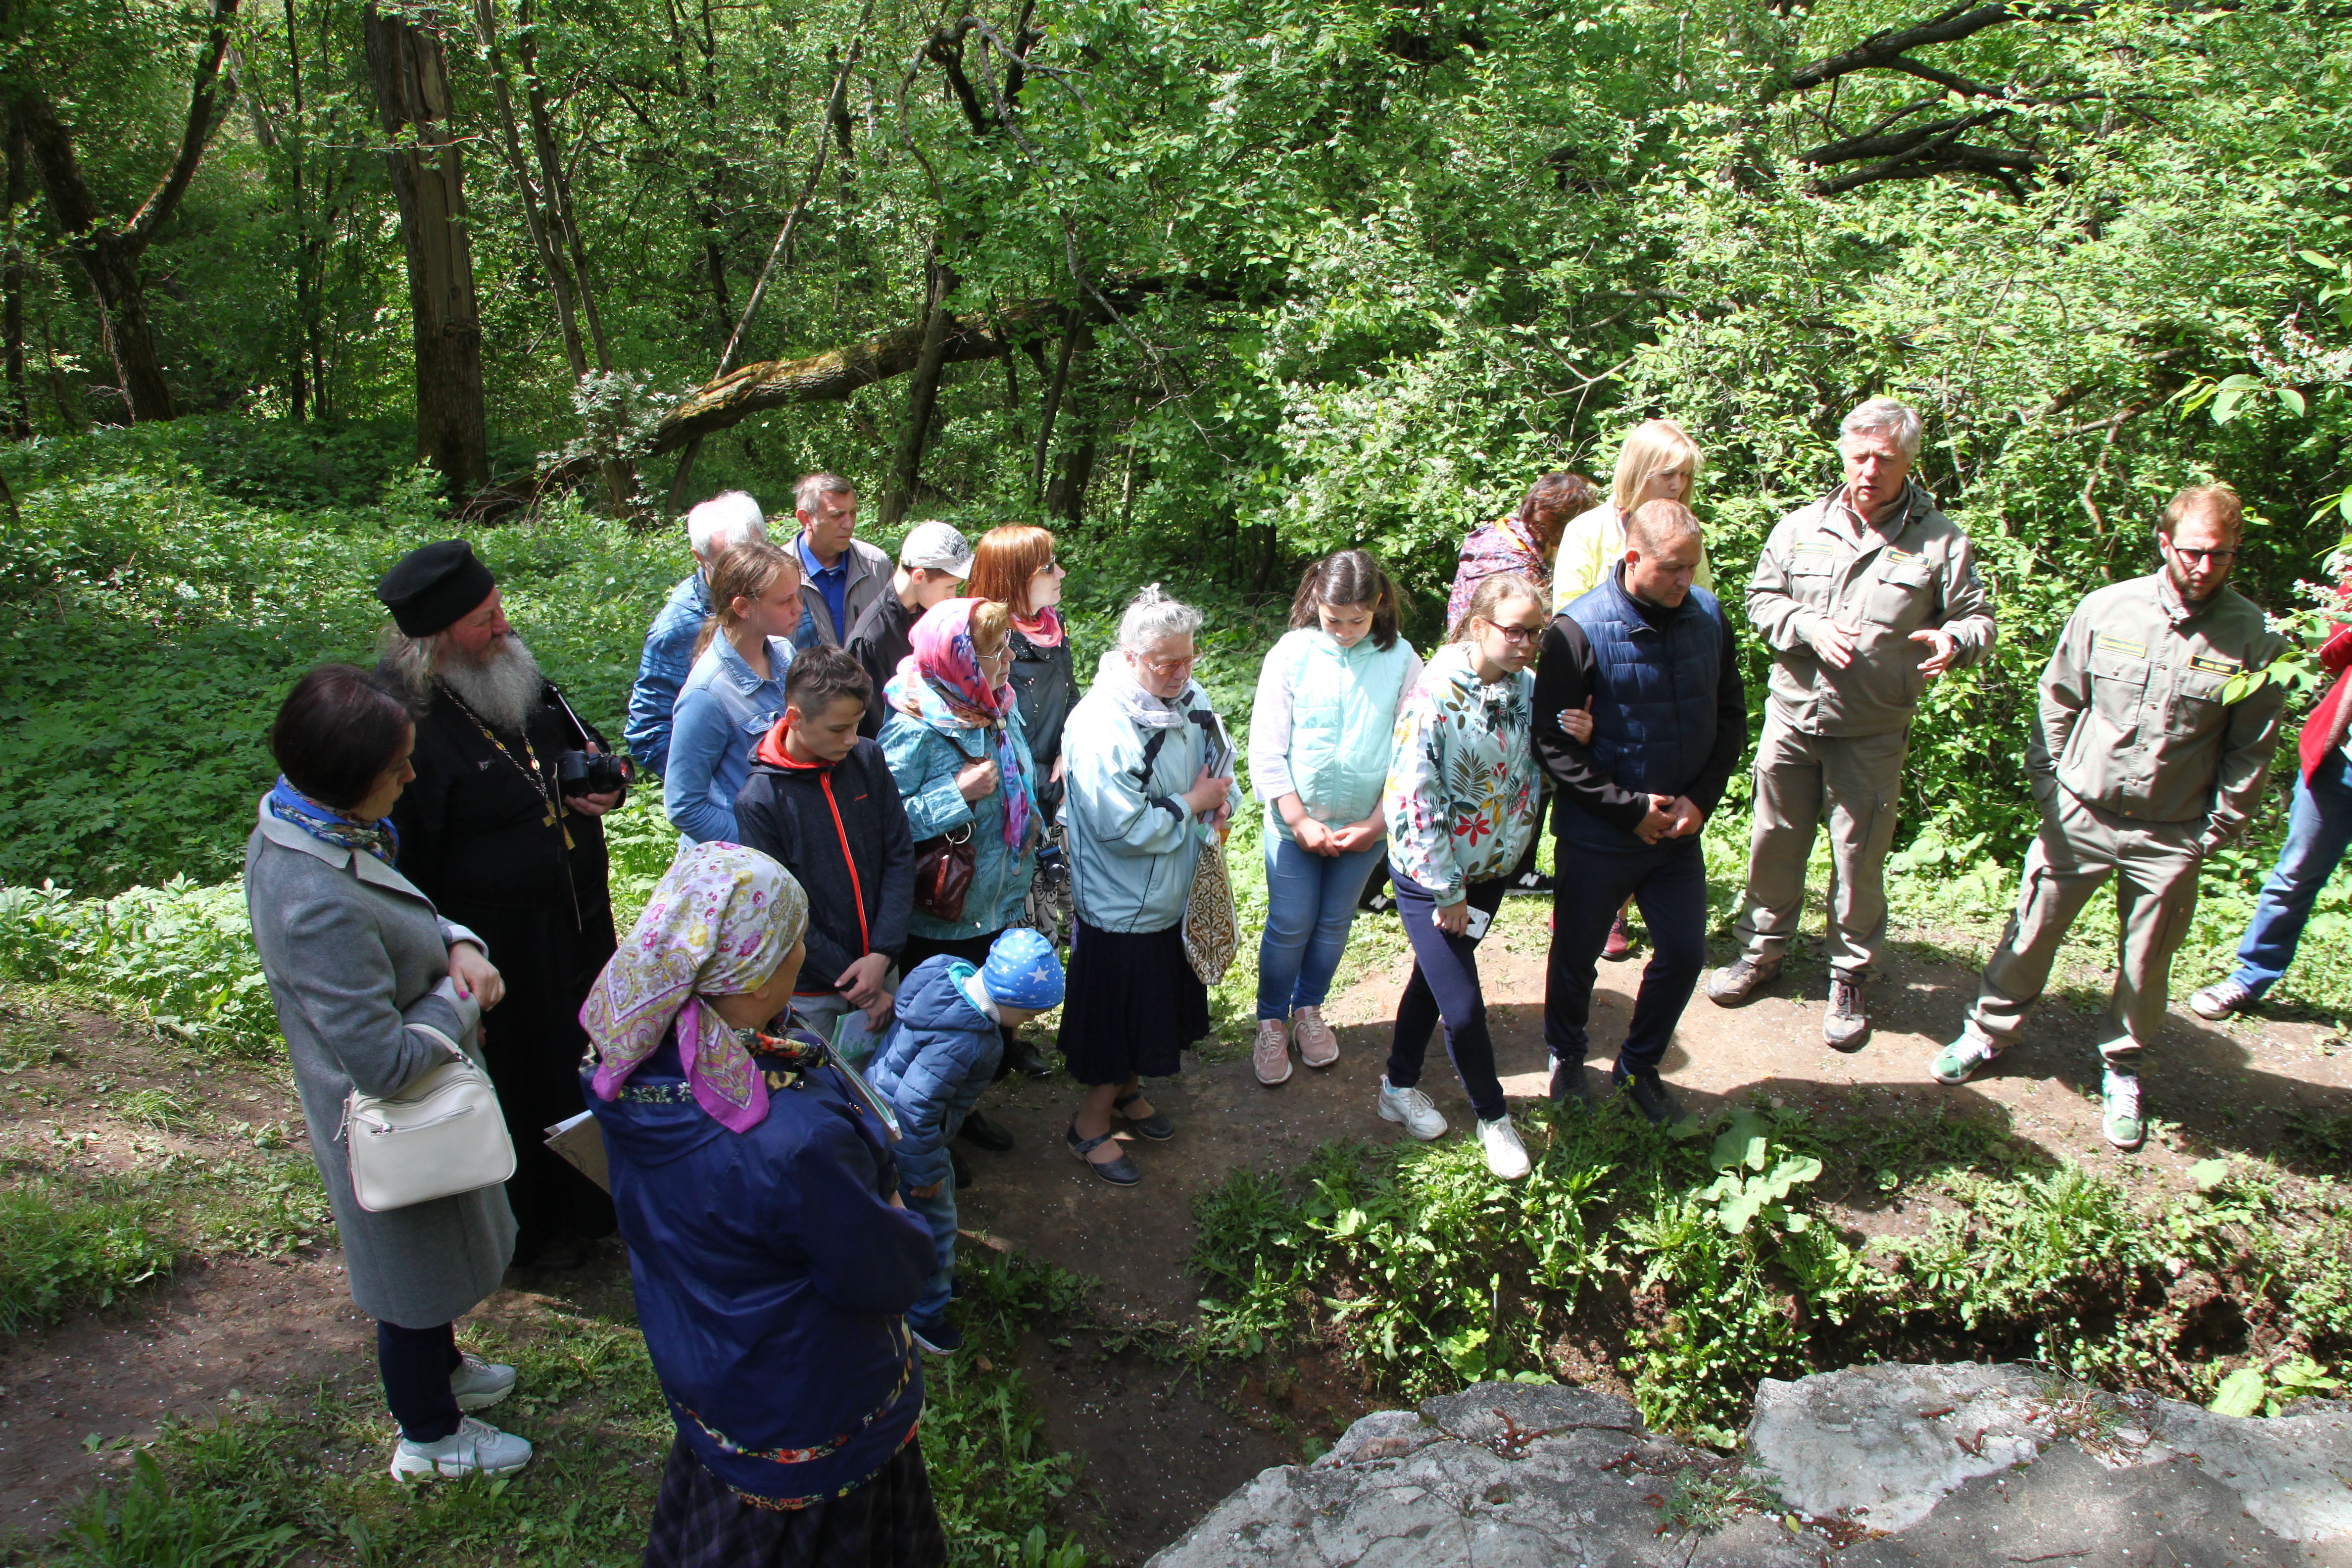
[354,955]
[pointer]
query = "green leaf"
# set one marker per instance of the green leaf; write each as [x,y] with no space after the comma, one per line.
[2293,399]
[2209,1174]
[2241,1392]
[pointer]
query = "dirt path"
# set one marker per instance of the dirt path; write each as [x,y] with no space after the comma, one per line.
[1158,1447]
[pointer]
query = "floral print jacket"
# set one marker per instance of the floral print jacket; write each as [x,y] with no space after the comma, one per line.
[1462,797]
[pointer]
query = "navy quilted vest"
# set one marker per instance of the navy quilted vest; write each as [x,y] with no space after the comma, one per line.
[1653,701]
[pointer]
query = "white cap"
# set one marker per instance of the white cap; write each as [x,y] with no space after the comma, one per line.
[937,547]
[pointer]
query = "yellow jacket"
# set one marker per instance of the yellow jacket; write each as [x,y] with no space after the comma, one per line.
[1594,543]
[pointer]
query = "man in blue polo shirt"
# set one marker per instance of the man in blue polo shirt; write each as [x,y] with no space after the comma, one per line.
[840,574]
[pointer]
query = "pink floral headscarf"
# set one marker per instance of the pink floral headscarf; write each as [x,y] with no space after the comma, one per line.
[719,922]
[942,676]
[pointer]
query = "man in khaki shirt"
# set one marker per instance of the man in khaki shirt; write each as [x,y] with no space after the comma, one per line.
[1864,596]
[2141,769]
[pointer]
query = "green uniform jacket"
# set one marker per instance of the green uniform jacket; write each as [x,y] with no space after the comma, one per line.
[1917,574]
[2132,719]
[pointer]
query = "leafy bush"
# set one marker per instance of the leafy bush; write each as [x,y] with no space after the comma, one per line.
[1707,1263]
[58,1252]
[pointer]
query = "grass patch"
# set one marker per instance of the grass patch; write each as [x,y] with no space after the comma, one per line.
[59,1251]
[272,1480]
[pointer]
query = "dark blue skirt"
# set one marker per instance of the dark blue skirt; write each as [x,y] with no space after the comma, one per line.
[890,1521]
[1132,1006]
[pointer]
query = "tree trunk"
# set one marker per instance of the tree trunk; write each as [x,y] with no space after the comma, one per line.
[1067,499]
[923,394]
[19,412]
[108,257]
[412,93]
[1073,326]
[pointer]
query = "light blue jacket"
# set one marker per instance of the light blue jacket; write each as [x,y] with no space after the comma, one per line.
[723,710]
[1324,725]
[925,762]
[662,669]
[1133,842]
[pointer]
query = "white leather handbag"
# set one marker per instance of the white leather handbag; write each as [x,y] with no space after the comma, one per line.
[442,1135]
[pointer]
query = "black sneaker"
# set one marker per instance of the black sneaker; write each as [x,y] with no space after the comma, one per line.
[982,1134]
[962,1171]
[939,1336]
[1656,1100]
[1023,1057]
[1567,1085]
[1380,903]
[1530,885]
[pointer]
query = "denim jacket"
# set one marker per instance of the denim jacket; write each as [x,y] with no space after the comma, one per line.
[661,670]
[722,712]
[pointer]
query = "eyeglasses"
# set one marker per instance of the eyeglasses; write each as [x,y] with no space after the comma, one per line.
[2202,557]
[1166,668]
[1516,635]
[1050,565]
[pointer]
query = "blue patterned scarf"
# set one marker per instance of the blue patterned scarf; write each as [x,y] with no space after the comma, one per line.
[287,804]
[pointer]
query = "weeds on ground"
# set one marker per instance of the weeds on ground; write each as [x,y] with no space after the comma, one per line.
[272,1480]
[1703,1255]
[58,1252]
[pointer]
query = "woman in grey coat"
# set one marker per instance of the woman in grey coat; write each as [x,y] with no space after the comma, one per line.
[370,981]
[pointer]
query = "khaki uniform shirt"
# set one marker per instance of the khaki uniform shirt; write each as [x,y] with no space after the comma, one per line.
[2132,719]
[1915,571]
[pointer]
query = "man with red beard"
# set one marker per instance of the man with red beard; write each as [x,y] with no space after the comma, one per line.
[492,836]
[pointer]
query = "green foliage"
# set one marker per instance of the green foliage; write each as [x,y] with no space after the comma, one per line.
[1712,1242]
[59,1252]
[146,1523]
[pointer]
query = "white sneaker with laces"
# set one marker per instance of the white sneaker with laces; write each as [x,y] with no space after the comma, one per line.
[474,1448]
[1413,1108]
[1506,1156]
[479,1384]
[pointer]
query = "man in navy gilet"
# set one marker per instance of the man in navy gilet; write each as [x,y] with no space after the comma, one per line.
[1651,659]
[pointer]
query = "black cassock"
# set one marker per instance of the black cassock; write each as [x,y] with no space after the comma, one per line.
[483,836]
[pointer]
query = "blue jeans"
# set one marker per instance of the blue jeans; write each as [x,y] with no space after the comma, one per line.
[2317,832]
[1668,880]
[939,1211]
[1445,986]
[1310,902]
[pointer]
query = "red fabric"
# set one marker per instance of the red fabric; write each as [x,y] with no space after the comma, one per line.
[2312,745]
[772,751]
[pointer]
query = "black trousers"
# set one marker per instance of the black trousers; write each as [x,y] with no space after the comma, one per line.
[417,1364]
[1445,984]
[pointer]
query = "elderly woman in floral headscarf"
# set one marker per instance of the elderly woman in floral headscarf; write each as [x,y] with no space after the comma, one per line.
[771,1258]
[954,743]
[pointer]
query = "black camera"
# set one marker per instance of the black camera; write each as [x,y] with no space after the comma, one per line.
[590,772]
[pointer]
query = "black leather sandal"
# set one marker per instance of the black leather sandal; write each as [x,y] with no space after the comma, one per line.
[1156,1126]
[1118,1173]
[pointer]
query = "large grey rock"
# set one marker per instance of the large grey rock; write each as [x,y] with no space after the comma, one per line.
[1882,1446]
[1883,1466]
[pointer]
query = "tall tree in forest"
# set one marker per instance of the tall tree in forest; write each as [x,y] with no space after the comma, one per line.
[412,95]
[109,251]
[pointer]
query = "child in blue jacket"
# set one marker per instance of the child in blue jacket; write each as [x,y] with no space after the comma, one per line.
[951,1023]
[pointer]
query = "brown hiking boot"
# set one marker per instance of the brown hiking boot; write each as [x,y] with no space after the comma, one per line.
[1740,980]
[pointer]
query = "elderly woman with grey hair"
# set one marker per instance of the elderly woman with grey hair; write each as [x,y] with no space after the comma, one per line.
[374,990]
[1149,771]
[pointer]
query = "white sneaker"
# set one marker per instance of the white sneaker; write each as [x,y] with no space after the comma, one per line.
[1505,1155]
[479,1384]
[1413,1108]
[476,1447]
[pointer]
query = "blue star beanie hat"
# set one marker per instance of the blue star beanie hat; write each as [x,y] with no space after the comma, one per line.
[1023,971]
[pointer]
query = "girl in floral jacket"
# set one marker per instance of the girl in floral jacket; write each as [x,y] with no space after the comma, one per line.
[1461,804]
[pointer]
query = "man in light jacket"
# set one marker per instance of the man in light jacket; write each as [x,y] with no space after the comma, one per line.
[2142,766]
[1863,597]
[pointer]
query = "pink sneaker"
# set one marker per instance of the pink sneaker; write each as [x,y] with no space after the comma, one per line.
[1318,1046]
[1272,1056]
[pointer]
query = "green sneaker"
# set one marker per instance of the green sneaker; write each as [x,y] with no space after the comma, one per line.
[1958,1062]
[2120,1117]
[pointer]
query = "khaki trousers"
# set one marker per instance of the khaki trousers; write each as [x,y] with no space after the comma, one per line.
[1854,781]
[2080,847]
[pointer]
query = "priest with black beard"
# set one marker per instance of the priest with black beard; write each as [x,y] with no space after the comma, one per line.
[486,834]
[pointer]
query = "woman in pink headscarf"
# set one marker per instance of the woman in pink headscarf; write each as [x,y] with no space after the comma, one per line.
[954,743]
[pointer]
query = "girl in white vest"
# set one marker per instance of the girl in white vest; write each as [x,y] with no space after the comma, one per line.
[1321,733]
